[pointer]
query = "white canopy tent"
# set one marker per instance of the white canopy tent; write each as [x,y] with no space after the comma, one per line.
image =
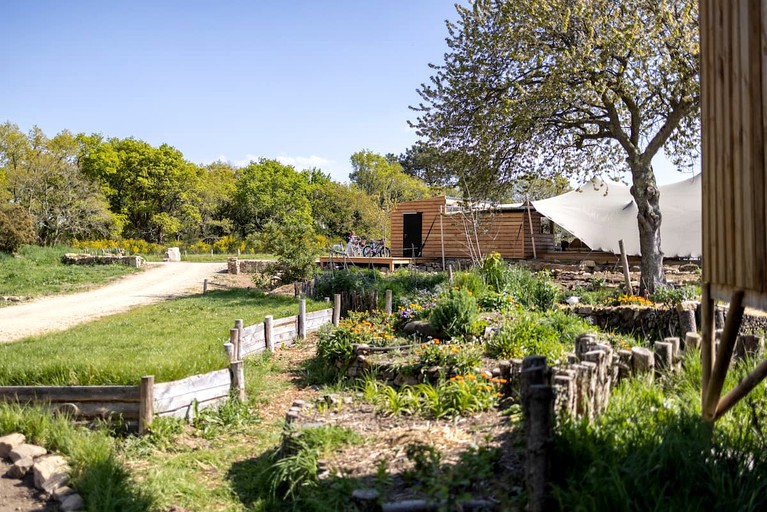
[602,212]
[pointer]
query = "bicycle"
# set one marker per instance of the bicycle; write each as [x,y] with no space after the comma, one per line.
[376,248]
[354,247]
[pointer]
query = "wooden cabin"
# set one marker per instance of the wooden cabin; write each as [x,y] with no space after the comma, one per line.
[441,226]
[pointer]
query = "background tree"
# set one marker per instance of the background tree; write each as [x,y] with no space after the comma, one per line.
[42,177]
[385,181]
[574,87]
[17,227]
[339,209]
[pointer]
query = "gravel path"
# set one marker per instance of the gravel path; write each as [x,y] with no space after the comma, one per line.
[159,281]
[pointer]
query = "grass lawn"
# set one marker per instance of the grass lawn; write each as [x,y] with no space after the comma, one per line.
[37,271]
[170,340]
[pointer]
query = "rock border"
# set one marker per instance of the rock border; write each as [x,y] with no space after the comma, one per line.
[51,472]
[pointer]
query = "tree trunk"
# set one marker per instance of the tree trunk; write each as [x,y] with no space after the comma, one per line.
[647,197]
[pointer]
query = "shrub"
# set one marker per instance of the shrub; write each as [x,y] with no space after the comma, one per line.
[493,270]
[455,313]
[453,358]
[496,301]
[470,281]
[334,344]
[670,295]
[529,289]
[17,228]
[526,334]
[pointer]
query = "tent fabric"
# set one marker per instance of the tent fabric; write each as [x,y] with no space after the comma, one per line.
[602,212]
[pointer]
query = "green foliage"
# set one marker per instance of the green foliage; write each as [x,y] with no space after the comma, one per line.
[384,180]
[493,270]
[470,281]
[16,228]
[531,290]
[670,295]
[650,451]
[293,240]
[495,301]
[452,359]
[459,395]
[289,476]
[97,474]
[549,334]
[455,313]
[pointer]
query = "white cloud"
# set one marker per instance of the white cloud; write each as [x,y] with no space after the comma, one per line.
[304,162]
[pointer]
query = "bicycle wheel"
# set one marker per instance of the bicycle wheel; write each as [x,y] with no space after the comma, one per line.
[385,252]
[367,251]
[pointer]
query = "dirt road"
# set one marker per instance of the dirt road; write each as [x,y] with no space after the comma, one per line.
[159,281]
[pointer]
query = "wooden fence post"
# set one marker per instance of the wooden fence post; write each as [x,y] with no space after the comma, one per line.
[237,372]
[238,324]
[626,273]
[234,339]
[268,332]
[302,319]
[388,302]
[146,404]
[336,309]
[204,286]
[538,410]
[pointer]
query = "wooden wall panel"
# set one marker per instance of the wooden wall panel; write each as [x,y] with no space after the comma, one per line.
[734,116]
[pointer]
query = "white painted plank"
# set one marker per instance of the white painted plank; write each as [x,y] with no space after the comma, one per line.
[191,384]
[170,403]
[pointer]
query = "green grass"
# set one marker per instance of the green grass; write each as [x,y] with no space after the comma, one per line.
[650,451]
[171,340]
[37,271]
[97,473]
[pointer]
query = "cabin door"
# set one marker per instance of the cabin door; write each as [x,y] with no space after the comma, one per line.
[411,234]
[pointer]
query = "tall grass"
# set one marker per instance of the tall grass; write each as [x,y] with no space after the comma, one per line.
[35,271]
[171,340]
[650,451]
[96,473]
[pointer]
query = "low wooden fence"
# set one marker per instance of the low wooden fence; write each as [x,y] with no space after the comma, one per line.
[136,406]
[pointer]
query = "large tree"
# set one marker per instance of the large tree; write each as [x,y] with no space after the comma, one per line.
[575,87]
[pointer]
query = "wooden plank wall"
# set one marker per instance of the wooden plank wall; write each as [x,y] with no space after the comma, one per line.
[284,331]
[177,398]
[83,402]
[507,232]
[733,116]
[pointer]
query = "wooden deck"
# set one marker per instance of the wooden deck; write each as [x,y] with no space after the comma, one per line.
[365,261]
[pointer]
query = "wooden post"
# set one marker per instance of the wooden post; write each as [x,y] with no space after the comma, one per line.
[238,324]
[302,319]
[743,388]
[388,302]
[442,235]
[374,300]
[237,372]
[626,273]
[268,332]
[642,362]
[336,309]
[205,287]
[692,341]
[748,346]
[234,339]
[706,339]
[450,274]
[664,356]
[686,320]
[539,415]
[723,356]
[146,405]
[530,222]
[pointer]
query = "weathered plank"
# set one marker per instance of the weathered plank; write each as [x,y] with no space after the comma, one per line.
[170,395]
[70,393]
[187,412]
[281,322]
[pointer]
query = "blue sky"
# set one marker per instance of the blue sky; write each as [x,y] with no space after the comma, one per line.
[306,82]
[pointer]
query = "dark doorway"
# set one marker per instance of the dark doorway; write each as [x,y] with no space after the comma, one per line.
[411,234]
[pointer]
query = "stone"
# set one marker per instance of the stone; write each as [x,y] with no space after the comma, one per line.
[51,472]
[62,492]
[332,399]
[172,254]
[20,468]
[72,503]
[422,327]
[26,450]
[9,442]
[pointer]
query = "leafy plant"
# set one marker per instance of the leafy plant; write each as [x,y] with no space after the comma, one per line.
[528,333]
[671,295]
[455,313]
[471,281]
[453,358]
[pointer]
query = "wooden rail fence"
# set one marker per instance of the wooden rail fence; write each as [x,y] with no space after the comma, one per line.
[136,406]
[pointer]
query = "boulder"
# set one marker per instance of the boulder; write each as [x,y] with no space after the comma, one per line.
[422,327]
[20,468]
[51,472]
[172,254]
[72,503]
[9,442]
[26,450]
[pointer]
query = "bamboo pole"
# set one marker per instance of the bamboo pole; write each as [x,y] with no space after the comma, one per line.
[724,355]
